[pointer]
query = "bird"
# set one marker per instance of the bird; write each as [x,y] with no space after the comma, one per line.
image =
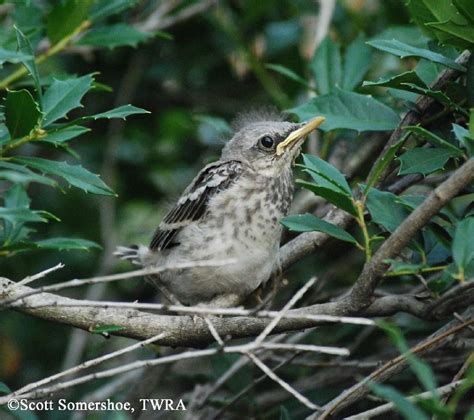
[229,212]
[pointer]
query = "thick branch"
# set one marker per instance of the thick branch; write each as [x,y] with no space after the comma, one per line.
[363,289]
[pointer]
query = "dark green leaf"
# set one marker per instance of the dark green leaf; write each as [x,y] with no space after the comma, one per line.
[103,329]
[74,174]
[339,199]
[120,112]
[440,96]
[288,73]
[66,243]
[12,56]
[25,48]
[326,66]
[409,410]
[357,61]
[385,209]
[424,160]
[105,8]
[309,223]
[405,50]
[462,136]
[22,113]
[398,267]
[327,171]
[4,388]
[349,110]
[65,17]
[466,7]
[63,96]
[284,413]
[112,36]
[434,139]
[463,243]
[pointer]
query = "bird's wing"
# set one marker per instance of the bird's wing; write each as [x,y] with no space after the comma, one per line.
[192,205]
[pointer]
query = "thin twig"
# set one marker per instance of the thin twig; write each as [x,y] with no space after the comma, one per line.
[40,275]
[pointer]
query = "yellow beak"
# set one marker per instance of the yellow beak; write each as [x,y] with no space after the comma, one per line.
[299,134]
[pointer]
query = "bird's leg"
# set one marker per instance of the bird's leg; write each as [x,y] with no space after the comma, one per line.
[274,280]
[229,300]
[164,291]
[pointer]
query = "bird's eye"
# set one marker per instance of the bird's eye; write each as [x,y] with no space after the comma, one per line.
[266,143]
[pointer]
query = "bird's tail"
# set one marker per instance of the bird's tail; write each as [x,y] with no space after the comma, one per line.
[131,253]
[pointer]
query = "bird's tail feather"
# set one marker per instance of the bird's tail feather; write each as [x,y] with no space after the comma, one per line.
[130,253]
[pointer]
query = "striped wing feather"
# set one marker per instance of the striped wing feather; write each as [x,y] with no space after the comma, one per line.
[192,205]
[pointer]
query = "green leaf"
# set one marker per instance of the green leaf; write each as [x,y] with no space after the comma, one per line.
[461,36]
[471,123]
[383,162]
[67,243]
[21,174]
[25,48]
[4,388]
[65,17]
[104,329]
[12,56]
[63,96]
[289,74]
[22,113]
[463,243]
[357,61]
[21,214]
[64,134]
[434,139]
[466,7]
[462,135]
[349,110]
[405,50]
[326,66]
[385,209]
[398,268]
[119,112]
[105,8]
[421,369]
[112,36]
[399,81]
[424,160]
[334,196]
[309,223]
[409,410]
[75,175]
[327,171]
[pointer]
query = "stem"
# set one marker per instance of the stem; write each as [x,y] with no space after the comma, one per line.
[359,205]
[56,48]
[36,134]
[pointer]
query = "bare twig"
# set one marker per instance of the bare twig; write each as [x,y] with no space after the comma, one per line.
[271,374]
[40,275]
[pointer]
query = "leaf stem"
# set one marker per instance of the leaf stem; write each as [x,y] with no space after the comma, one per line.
[360,207]
[35,134]
[56,48]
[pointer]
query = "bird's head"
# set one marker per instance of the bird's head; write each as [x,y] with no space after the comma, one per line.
[269,146]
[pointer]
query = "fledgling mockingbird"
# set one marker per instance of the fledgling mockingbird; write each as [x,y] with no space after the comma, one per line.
[230,211]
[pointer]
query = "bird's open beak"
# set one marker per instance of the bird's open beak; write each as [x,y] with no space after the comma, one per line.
[299,134]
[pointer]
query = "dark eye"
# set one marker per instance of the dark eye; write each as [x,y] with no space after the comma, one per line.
[266,143]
